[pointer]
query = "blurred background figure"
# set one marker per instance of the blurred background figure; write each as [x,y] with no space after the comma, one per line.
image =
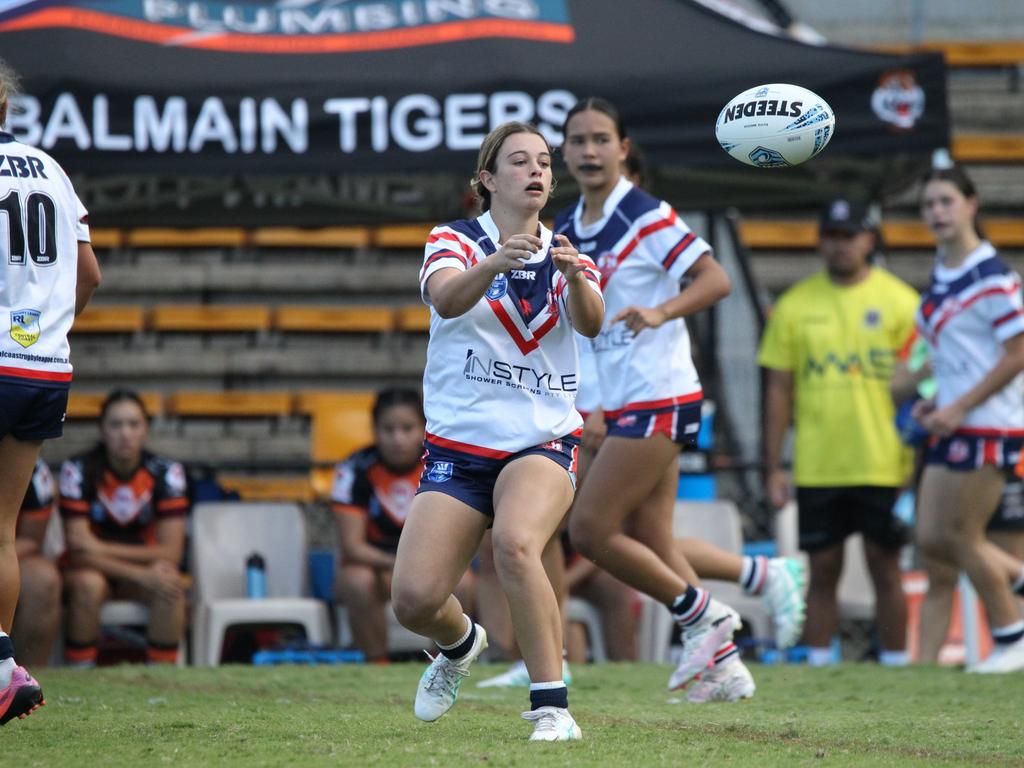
[37,620]
[829,350]
[125,511]
[972,317]
[370,498]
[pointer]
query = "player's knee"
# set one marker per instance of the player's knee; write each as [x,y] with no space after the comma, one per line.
[514,552]
[40,583]
[86,587]
[414,604]
[357,585]
[933,543]
[583,538]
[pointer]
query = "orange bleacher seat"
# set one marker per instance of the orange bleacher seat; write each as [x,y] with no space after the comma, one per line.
[230,403]
[341,423]
[401,236]
[366,319]
[203,318]
[269,487]
[93,319]
[204,237]
[313,401]
[967,53]
[988,148]
[106,238]
[413,318]
[86,405]
[781,235]
[326,237]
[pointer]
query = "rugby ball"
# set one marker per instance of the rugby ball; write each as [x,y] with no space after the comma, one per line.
[775,125]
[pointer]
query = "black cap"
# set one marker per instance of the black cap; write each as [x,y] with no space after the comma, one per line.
[842,215]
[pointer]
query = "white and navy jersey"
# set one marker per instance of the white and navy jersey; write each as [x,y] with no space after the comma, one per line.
[502,377]
[642,249]
[965,315]
[41,223]
[588,394]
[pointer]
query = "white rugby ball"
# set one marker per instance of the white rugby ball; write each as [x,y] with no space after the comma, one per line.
[775,125]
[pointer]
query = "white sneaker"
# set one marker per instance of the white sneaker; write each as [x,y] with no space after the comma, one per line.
[518,677]
[553,724]
[701,640]
[439,684]
[1003,658]
[728,681]
[784,599]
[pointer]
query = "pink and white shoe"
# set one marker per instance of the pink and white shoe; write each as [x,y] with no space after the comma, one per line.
[21,697]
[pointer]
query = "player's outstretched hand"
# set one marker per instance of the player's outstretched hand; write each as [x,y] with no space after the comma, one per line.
[566,258]
[514,252]
[637,318]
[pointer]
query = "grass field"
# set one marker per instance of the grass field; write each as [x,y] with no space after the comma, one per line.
[857,715]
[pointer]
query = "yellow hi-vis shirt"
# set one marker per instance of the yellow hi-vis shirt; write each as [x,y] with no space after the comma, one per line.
[841,343]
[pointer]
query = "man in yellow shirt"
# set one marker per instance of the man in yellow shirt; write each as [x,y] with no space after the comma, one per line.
[829,349]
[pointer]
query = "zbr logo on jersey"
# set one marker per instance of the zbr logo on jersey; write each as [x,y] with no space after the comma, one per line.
[440,472]
[498,287]
[25,327]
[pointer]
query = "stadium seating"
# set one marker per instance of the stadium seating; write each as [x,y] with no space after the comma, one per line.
[294,238]
[362,319]
[224,535]
[86,405]
[413,318]
[204,318]
[204,237]
[803,234]
[110,319]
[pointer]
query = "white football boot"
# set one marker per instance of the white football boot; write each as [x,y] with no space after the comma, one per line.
[553,724]
[439,684]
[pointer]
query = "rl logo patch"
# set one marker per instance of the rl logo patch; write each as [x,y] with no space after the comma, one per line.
[25,326]
[440,472]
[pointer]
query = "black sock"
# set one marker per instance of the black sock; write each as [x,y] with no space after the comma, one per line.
[463,647]
[556,696]
[6,648]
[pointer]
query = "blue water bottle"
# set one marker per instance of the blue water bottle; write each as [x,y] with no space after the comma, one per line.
[255,576]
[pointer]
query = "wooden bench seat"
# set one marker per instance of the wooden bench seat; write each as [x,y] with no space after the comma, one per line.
[364,319]
[206,318]
[110,319]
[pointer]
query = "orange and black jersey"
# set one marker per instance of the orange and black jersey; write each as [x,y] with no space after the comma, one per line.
[123,509]
[39,498]
[364,486]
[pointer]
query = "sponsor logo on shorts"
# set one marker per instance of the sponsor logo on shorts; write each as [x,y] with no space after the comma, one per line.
[958,451]
[440,471]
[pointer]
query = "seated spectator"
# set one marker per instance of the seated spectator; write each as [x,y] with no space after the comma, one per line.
[125,513]
[37,618]
[372,491]
[614,601]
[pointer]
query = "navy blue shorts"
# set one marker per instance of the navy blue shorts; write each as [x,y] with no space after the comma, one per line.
[470,477]
[679,423]
[32,413]
[967,450]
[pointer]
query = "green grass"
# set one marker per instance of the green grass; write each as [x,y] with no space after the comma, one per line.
[359,715]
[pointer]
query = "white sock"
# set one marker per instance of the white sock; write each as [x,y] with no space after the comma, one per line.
[820,657]
[6,670]
[1018,585]
[893,658]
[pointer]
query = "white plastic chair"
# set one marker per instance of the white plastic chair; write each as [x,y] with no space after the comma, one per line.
[129,613]
[717,522]
[224,534]
[400,639]
[584,612]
